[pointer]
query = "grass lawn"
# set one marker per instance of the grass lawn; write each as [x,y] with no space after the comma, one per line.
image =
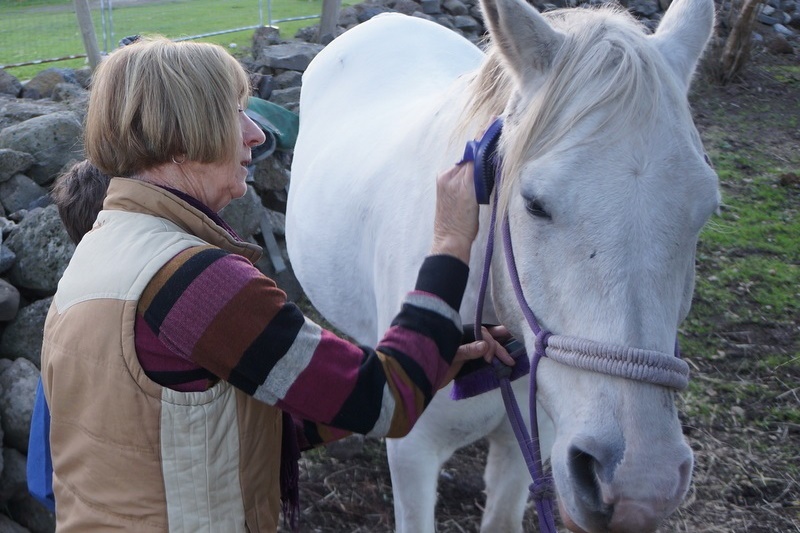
[746,310]
[45,29]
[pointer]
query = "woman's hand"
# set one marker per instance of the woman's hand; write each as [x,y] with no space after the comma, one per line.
[456,222]
[490,347]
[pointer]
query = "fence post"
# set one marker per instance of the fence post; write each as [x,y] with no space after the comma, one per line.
[87,32]
[328,20]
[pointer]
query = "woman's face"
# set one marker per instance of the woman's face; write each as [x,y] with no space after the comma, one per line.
[216,184]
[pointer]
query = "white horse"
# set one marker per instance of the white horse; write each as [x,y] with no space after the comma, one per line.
[605,186]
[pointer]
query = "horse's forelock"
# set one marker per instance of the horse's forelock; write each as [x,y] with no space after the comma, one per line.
[605,63]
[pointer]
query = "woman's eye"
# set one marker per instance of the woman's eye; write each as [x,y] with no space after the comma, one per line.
[536,209]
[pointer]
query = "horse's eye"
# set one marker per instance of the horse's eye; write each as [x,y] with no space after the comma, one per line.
[708,160]
[536,209]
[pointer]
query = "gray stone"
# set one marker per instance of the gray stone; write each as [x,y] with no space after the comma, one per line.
[43,251]
[263,84]
[270,175]
[446,21]
[421,15]
[13,480]
[31,514]
[455,7]
[53,140]
[431,7]
[330,36]
[244,214]
[644,8]
[7,258]
[367,11]
[72,93]
[9,301]
[766,19]
[287,80]
[288,98]
[44,83]
[348,16]
[13,162]
[406,7]
[23,335]
[83,76]
[783,30]
[465,23]
[9,84]
[779,44]
[277,222]
[264,37]
[307,34]
[7,525]
[16,110]
[17,392]
[6,226]
[290,56]
[19,192]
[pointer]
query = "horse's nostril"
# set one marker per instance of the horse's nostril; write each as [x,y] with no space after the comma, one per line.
[585,472]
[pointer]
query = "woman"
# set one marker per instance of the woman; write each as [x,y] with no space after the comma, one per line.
[170,363]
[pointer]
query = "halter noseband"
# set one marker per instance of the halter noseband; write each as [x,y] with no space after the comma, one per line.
[649,366]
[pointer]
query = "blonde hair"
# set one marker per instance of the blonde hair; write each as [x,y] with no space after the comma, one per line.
[156,100]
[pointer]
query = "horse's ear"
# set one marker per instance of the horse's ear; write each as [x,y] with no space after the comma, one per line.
[683,34]
[524,38]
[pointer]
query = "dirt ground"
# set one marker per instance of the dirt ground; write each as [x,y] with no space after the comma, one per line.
[746,474]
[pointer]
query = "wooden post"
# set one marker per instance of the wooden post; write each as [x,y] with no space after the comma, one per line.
[328,20]
[737,46]
[87,32]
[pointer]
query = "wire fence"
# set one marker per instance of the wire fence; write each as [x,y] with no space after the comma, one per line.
[45,32]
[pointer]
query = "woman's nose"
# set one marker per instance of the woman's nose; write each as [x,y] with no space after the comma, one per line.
[251,133]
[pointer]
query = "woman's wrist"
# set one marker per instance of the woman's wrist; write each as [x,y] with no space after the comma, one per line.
[457,247]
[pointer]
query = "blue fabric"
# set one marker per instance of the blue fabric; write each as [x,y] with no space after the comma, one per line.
[40,465]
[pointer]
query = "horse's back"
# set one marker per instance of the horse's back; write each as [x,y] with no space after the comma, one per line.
[355,211]
[388,60]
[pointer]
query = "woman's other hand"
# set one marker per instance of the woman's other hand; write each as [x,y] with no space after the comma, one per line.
[456,222]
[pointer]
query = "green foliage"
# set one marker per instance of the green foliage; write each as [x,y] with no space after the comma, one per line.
[746,308]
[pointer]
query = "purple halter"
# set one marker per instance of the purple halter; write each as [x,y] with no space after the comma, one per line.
[648,366]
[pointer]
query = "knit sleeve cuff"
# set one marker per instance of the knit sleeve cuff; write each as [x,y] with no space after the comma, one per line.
[444,276]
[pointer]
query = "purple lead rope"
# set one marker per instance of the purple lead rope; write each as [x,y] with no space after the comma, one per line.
[542,487]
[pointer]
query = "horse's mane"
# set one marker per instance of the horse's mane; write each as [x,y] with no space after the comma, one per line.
[604,63]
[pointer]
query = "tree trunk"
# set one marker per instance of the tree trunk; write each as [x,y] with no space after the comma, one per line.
[736,50]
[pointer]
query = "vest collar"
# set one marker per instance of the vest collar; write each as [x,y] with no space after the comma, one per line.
[132,195]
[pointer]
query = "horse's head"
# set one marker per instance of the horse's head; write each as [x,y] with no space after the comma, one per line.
[606,187]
